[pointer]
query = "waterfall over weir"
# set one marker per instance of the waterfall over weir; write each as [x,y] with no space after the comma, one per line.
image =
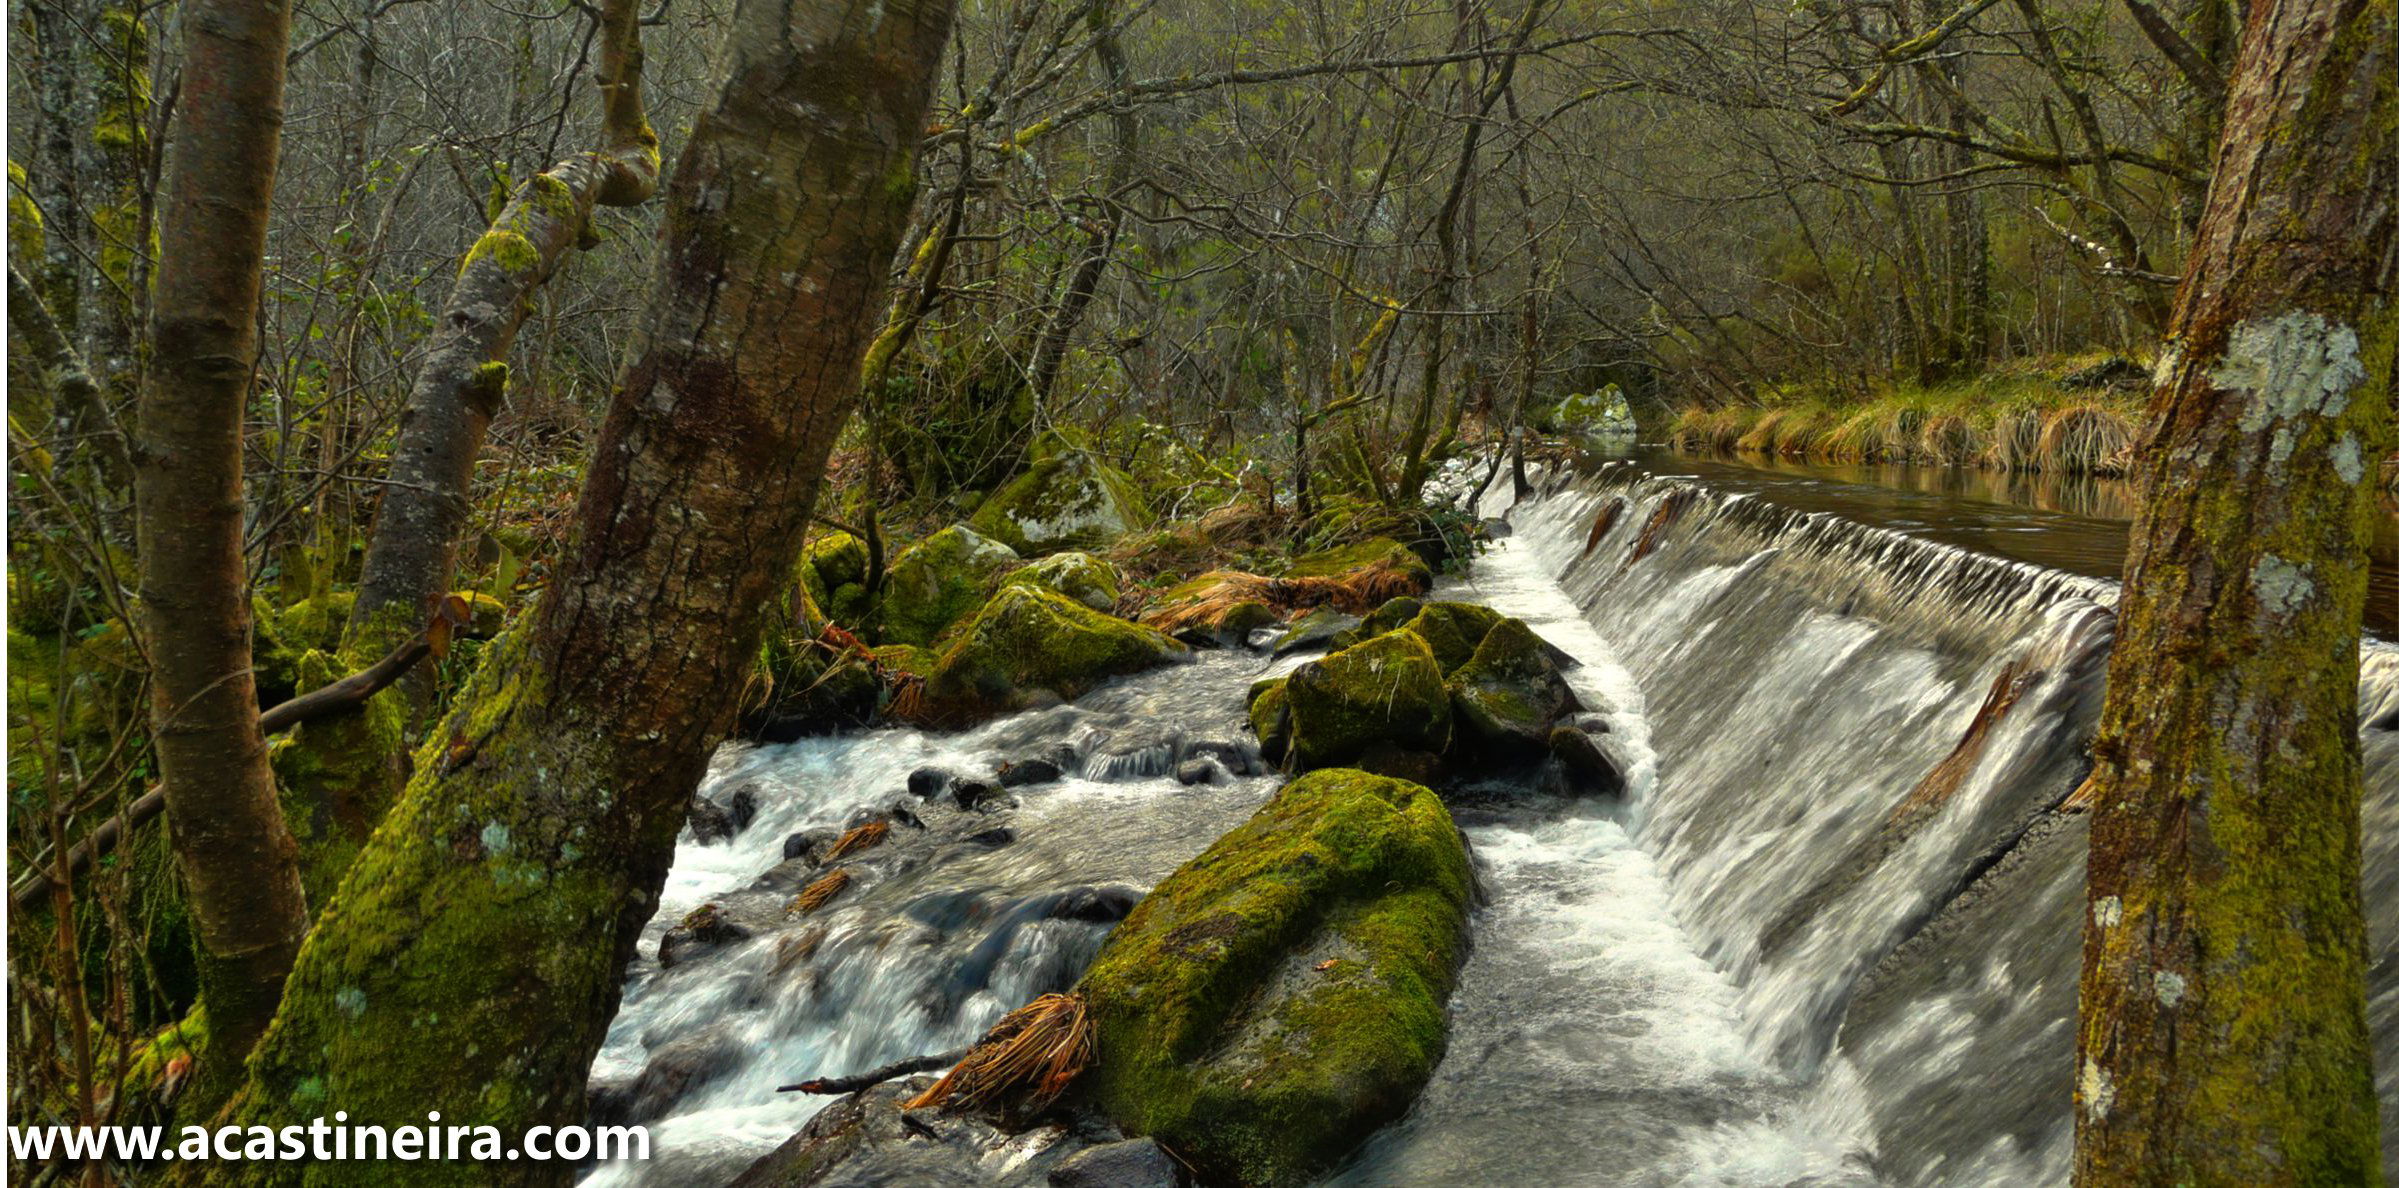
[1863,741]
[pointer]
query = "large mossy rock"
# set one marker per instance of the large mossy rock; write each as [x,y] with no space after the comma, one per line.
[1028,642]
[1509,694]
[1068,500]
[1080,576]
[939,581]
[1270,717]
[1282,995]
[1369,704]
[1454,630]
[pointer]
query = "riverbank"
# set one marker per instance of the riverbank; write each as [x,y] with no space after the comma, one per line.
[2074,415]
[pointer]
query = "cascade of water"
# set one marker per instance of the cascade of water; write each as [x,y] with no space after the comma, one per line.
[1865,740]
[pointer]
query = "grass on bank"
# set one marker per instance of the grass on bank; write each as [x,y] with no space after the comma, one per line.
[2074,416]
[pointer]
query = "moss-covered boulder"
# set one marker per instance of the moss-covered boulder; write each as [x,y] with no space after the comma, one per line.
[1068,500]
[1028,642]
[281,638]
[1505,699]
[1282,995]
[1390,616]
[1080,576]
[1368,705]
[834,568]
[1454,629]
[939,581]
[1602,413]
[1270,717]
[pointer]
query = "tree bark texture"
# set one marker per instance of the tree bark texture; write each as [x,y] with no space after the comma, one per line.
[236,855]
[472,958]
[2223,1036]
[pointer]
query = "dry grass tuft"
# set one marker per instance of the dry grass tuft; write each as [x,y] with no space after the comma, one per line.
[863,837]
[1356,592]
[821,892]
[1028,1057]
[1858,439]
[2085,439]
[2015,443]
[1949,438]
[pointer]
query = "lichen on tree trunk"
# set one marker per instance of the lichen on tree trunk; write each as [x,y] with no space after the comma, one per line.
[2223,1036]
[472,958]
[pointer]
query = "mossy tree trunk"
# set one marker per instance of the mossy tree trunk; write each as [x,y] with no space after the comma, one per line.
[464,374]
[472,957]
[2223,1037]
[236,855]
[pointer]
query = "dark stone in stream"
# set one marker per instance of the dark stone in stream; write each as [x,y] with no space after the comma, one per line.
[1590,769]
[866,1139]
[1025,773]
[1203,770]
[925,783]
[993,838]
[1135,1163]
[979,795]
[712,822]
[1314,631]
[801,845]
[1239,759]
[900,814]
[704,931]
[1494,528]
[678,1068]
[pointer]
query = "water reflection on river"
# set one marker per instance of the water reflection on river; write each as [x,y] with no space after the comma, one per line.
[2072,522]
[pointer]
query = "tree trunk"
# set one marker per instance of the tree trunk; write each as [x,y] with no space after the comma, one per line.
[230,840]
[474,953]
[2223,1036]
[459,385]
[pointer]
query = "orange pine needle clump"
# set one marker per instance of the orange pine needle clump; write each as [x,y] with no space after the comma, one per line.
[817,894]
[863,837]
[1031,1055]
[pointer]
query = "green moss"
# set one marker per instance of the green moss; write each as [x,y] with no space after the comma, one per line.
[1270,717]
[1282,995]
[1454,629]
[1029,640]
[1348,559]
[337,776]
[1080,576]
[506,248]
[1509,694]
[1384,694]
[903,658]
[1390,616]
[938,582]
[281,638]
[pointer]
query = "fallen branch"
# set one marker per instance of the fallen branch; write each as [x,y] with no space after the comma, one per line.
[345,694]
[897,1068]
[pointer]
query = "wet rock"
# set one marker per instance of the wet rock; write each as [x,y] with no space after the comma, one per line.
[1203,770]
[1028,642]
[866,1139]
[898,813]
[1314,631]
[993,838]
[1589,768]
[1270,717]
[1080,576]
[806,845]
[925,783]
[680,1067]
[1237,759]
[1508,696]
[939,581]
[1453,630]
[1494,528]
[1135,1163]
[1390,616]
[1068,500]
[1026,773]
[1281,996]
[1386,692]
[979,795]
[705,930]
[712,822]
